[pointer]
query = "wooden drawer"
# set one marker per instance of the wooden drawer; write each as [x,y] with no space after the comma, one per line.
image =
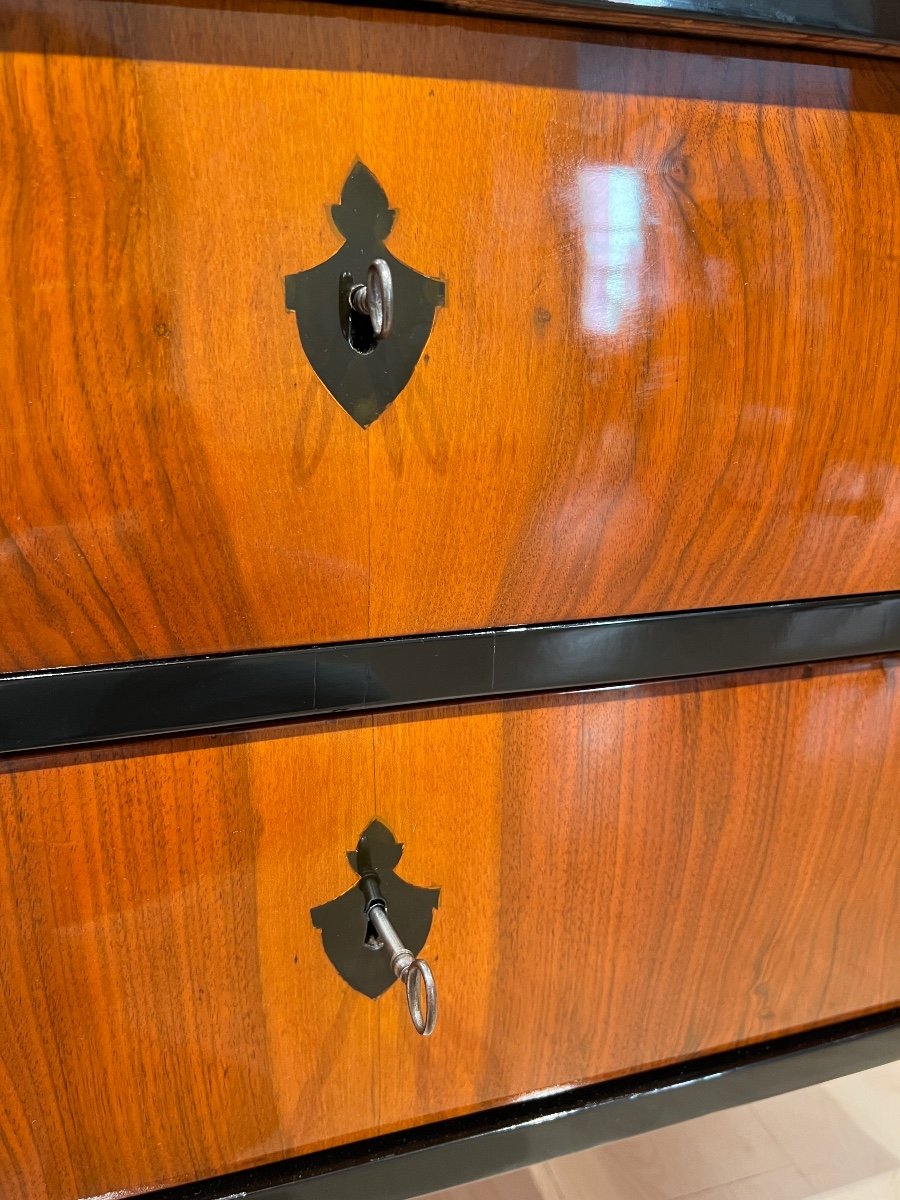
[627,878]
[661,378]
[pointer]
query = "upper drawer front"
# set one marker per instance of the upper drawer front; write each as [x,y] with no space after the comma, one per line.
[627,878]
[664,374]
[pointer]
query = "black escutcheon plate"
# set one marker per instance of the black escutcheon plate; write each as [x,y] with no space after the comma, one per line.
[344,924]
[363,375]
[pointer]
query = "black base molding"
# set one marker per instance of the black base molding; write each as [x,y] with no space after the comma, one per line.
[48,709]
[449,1153]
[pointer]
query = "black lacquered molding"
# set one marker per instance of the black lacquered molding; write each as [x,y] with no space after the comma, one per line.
[48,709]
[450,1153]
[872,26]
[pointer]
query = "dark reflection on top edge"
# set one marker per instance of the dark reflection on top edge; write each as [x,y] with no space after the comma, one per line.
[324,37]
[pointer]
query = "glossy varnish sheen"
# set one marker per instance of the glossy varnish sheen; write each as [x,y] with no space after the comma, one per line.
[665,376]
[850,25]
[628,878]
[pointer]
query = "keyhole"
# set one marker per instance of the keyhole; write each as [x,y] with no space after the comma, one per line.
[372,941]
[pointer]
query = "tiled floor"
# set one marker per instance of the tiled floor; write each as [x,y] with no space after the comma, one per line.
[840,1140]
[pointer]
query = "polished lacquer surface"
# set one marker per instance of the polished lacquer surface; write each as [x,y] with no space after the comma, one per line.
[627,878]
[865,26]
[665,375]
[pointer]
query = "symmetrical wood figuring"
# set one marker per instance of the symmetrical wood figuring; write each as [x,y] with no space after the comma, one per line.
[628,878]
[666,375]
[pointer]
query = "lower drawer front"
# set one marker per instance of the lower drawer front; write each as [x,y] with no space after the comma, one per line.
[627,877]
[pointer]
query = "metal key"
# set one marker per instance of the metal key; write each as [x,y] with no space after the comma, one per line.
[413,972]
[375,298]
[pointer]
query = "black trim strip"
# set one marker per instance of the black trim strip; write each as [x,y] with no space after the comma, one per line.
[871,26]
[875,21]
[48,709]
[446,1154]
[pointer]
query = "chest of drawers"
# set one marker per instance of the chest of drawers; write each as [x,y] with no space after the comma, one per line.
[583,583]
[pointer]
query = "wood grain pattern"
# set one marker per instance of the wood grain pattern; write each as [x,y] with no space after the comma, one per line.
[666,375]
[628,878]
[651,874]
[164,1011]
